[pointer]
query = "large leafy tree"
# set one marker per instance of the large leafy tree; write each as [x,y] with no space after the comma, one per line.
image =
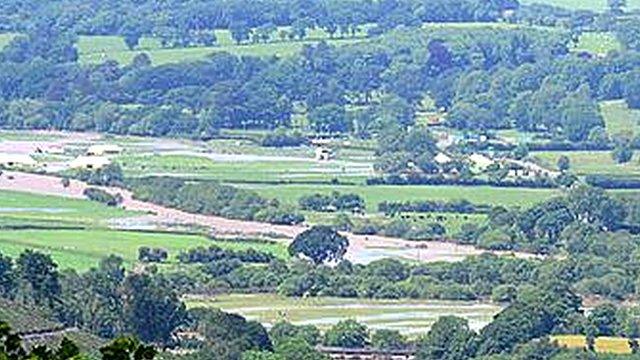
[320,244]
[449,339]
[347,334]
[39,278]
[152,310]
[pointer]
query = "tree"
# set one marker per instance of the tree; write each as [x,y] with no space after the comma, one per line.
[8,283]
[449,339]
[617,6]
[127,348]
[622,153]
[152,310]
[38,276]
[298,349]
[329,118]
[604,320]
[388,340]
[347,334]
[320,244]
[240,31]
[563,163]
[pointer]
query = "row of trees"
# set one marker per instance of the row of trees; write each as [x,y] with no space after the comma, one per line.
[212,198]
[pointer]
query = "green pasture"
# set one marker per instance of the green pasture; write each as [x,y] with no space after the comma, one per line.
[374,195]
[18,208]
[97,49]
[591,162]
[620,119]
[82,249]
[412,317]
[595,5]
[598,43]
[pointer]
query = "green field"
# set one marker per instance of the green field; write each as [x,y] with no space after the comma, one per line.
[412,317]
[97,49]
[591,162]
[598,43]
[619,119]
[596,5]
[374,195]
[17,208]
[82,249]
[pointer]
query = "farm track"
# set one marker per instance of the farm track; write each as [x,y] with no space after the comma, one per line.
[360,249]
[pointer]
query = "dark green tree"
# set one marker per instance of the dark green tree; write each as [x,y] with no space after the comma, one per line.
[320,244]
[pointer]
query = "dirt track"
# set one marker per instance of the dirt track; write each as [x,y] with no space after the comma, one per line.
[362,248]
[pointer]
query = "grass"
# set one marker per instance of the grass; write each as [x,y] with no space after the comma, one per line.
[592,162]
[97,49]
[595,5]
[614,345]
[598,43]
[408,316]
[5,39]
[374,195]
[83,249]
[18,208]
[620,119]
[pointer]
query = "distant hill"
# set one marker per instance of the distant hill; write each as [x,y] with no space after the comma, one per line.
[596,5]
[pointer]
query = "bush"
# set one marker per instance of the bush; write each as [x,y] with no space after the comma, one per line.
[281,138]
[102,196]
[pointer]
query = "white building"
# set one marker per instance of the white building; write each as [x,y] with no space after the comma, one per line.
[102,150]
[89,162]
[16,160]
[323,153]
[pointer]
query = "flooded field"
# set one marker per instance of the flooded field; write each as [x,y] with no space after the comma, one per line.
[411,317]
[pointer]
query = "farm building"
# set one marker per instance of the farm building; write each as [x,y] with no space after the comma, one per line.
[102,150]
[323,153]
[442,158]
[481,162]
[519,168]
[16,160]
[89,162]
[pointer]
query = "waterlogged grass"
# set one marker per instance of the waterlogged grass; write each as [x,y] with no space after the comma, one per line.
[412,317]
[245,168]
[82,249]
[374,195]
[620,119]
[613,345]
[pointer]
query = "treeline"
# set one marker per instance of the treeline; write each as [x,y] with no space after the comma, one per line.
[216,253]
[332,202]
[427,206]
[212,198]
[192,23]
